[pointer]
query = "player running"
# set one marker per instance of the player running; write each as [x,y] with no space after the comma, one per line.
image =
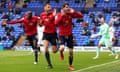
[49,35]
[105,40]
[64,21]
[30,27]
[112,36]
[40,30]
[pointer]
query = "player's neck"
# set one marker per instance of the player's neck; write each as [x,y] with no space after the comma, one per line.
[47,12]
[102,23]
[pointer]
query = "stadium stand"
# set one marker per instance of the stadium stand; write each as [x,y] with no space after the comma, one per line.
[77,30]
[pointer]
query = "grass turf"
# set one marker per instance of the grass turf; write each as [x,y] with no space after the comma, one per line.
[22,61]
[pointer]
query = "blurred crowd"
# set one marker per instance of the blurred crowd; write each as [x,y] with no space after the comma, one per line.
[7,3]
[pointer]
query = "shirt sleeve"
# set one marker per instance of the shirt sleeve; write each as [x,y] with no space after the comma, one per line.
[15,21]
[77,15]
[58,19]
[41,18]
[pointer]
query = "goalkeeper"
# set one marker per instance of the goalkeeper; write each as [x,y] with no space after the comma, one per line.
[105,39]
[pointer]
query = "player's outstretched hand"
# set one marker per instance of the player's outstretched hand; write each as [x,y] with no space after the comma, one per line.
[3,23]
[71,10]
[93,36]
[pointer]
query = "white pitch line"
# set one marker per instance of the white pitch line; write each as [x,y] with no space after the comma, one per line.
[15,55]
[100,65]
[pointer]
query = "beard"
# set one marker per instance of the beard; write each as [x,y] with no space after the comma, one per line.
[30,17]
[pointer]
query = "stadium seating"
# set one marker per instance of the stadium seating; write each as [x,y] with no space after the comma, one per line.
[7,3]
[101,3]
[17,32]
[77,30]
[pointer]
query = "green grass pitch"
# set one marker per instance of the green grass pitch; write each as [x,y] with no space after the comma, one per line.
[22,61]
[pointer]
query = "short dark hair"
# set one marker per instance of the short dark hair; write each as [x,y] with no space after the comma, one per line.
[65,4]
[103,18]
[46,3]
[29,12]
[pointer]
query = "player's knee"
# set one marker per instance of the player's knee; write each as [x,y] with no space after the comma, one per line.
[54,51]
[46,48]
[99,46]
[71,52]
[62,48]
[109,48]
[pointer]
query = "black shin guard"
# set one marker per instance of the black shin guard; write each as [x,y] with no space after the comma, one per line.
[48,58]
[70,60]
[36,55]
[39,49]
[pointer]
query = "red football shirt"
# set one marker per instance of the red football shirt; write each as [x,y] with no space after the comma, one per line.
[65,22]
[48,22]
[30,26]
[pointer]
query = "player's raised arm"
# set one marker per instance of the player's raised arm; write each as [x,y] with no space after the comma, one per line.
[53,14]
[76,14]
[100,33]
[58,18]
[103,29]
[14,21]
